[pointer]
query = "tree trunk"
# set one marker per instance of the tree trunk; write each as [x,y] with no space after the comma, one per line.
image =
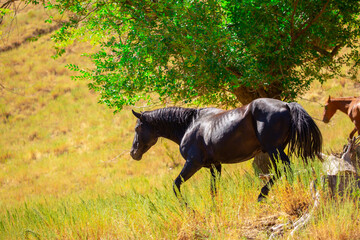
[246,95]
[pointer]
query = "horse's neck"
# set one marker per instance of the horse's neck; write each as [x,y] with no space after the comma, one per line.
[172,133]
[342,104]
[172,123]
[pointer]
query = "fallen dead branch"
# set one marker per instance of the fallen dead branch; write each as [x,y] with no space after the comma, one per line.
[295,226]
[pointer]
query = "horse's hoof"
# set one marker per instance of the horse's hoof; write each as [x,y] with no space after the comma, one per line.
[261,198]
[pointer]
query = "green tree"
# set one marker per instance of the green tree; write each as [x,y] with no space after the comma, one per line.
[210,52]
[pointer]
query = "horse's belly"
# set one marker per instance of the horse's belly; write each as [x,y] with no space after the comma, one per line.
[236,156]
[235,150]
[239,146]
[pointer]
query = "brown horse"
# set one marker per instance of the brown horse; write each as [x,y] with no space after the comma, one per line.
[349,106]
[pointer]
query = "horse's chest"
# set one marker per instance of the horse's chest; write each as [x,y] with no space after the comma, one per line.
[354,112]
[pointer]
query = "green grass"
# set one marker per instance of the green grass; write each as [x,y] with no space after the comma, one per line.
[66,173]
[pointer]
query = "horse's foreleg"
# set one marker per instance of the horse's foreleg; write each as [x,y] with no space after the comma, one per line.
[215,171]
[189,169]
[351,135]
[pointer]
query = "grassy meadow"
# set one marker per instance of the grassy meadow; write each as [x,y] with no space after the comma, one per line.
[66,173]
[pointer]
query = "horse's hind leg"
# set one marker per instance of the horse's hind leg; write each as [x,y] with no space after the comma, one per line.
[265,189]
[273,155]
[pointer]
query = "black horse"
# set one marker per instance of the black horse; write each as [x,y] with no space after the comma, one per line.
[209,137]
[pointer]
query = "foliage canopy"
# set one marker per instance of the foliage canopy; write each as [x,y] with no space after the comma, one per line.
[211,52]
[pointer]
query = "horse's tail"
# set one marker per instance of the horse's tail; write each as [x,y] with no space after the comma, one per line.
[305,136]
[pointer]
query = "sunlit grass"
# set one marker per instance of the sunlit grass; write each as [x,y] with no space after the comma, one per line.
[144,207]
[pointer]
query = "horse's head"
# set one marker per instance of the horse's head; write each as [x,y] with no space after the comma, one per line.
[329,110]
[145,137]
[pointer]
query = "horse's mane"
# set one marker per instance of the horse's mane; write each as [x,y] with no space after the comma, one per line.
[171,116]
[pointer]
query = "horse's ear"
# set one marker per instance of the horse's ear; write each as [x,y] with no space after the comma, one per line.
[136,114]
[329,99]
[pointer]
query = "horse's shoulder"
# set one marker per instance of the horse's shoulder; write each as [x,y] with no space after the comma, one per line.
[356,108]
[357,102]
[193,140]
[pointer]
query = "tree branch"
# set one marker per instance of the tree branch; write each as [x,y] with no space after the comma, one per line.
[324,52]
[335,50]
[292,19]
[5,5]
[234,71]
[309,23]
[8,3]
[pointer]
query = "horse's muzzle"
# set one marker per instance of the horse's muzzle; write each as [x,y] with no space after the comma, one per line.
[135,156]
